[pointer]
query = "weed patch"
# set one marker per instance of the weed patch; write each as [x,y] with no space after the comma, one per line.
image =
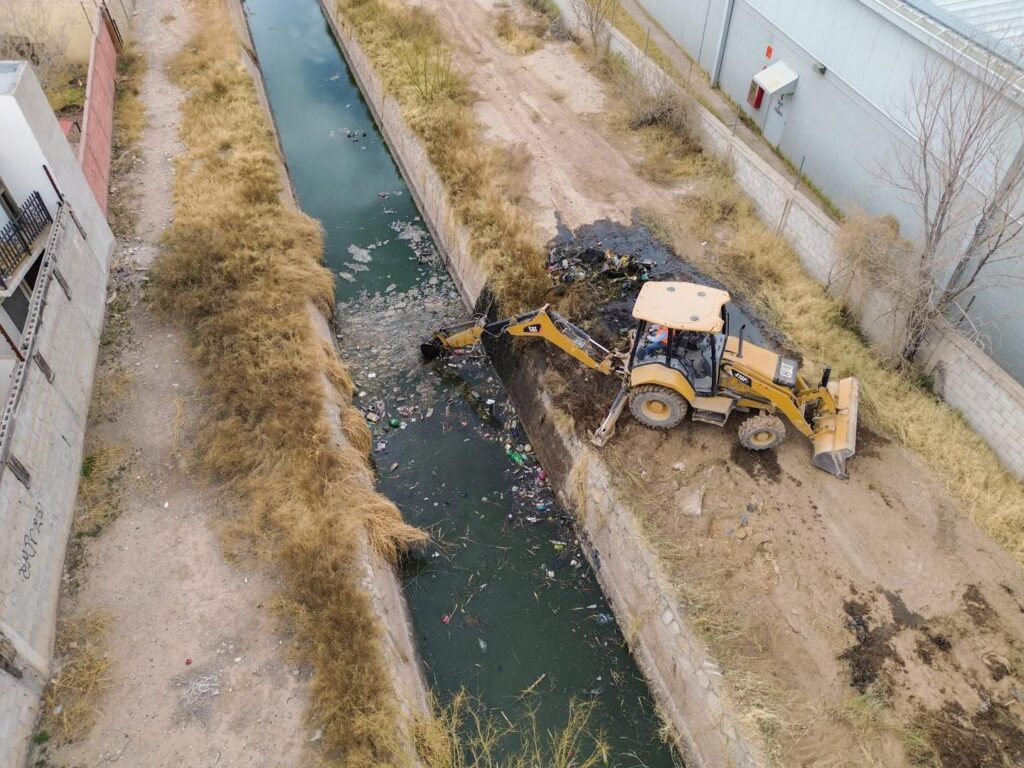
[516,36]
[72,699]
[464,735]
[129,123]
[242,270]
[99,490]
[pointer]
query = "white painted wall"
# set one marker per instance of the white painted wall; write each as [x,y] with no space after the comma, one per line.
[847,123]
[47,433]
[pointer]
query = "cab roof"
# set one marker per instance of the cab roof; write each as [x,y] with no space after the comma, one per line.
[682,306]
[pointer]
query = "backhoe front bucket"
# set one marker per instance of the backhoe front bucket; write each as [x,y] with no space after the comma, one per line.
[835,436]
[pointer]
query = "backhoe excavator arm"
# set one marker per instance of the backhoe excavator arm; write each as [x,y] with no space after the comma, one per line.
[543,323]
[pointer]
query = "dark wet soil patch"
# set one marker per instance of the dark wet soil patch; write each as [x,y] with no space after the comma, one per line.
[580,254]
[586,396]
[901,615]
[930,644]
[978,608]
[757,464]
[990,738]
[868,656]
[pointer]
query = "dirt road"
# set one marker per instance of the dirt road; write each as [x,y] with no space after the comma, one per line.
[198,677]
[864,622]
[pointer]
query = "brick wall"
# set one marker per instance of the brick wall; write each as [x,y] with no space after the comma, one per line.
[94,150]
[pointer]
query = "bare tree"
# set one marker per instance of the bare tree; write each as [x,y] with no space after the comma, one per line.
[595,16]
[966,165]
[36,32]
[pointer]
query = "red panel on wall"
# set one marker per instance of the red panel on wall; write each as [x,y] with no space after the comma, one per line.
[94,151]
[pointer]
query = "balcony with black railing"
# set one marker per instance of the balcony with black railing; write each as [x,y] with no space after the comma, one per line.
[21,237]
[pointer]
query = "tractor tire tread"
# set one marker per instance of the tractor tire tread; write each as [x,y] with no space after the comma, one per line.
[674,400]
[764,422]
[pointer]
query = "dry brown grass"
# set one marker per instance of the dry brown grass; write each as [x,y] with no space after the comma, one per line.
[654,112]
[241,269]
[129,123]
[72,699]
[517,36]
[465,735]
[99,490]
[502,235]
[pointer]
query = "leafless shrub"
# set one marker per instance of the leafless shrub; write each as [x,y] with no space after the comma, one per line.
[35,34]
[964,166]
[594,17]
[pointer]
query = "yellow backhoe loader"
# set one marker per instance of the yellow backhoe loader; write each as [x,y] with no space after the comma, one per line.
[682,359]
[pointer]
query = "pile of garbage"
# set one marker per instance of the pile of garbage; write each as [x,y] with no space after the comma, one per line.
[575,261]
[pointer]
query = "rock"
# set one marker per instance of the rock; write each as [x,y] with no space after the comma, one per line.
[690,501]
[742,533]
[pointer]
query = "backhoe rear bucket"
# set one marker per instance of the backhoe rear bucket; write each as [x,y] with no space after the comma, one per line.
[835,436]
[607,428]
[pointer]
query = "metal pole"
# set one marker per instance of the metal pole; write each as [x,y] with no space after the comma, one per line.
[10,343]
[722,40]
[87,19]
[707,14]
[799,173]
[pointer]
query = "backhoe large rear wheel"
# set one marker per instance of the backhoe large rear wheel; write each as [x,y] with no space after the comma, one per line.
[657,407]
[761,432]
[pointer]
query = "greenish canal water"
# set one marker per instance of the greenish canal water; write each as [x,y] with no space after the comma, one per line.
[503,600]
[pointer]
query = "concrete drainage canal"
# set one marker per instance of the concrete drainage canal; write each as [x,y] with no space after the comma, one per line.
[504,603]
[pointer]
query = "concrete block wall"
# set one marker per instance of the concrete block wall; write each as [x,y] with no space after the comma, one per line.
[990,400]
[812,235]
[47,437]
[47,432]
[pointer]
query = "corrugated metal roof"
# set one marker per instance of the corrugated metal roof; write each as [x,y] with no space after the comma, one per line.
[997,25]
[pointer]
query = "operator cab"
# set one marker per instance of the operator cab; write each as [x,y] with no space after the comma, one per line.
[683,326]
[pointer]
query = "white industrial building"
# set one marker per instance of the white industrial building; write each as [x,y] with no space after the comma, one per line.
[826,81]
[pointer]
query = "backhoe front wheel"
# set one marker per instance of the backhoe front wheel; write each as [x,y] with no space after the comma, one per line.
[761,432]
[657,407]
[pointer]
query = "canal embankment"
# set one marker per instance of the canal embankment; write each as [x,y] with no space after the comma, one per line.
[503,602]
[761,553]
[242,270]
[684,677]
